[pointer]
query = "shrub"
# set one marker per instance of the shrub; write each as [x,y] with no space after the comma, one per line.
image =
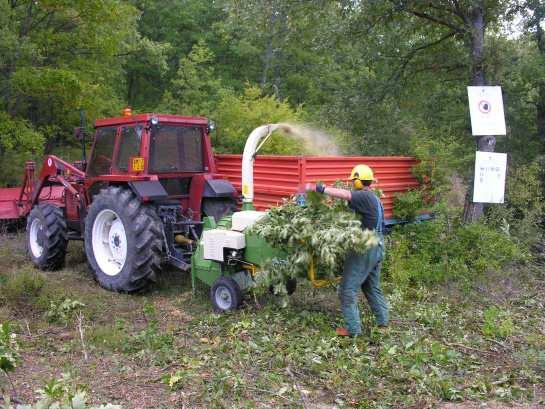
[237,116]
[522,213]
[442,249]
[63,311]
[407,205]
[497,323]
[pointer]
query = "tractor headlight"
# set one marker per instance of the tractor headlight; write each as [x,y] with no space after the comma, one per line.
[211,126]
[154,121]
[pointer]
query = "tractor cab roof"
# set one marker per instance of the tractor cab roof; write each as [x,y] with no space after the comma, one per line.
[139,118]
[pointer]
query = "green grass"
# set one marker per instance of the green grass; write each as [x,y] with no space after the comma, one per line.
[480,341]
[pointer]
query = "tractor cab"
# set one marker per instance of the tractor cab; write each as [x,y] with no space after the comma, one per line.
[151,144]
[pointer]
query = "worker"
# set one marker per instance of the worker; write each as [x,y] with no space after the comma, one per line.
[361,270]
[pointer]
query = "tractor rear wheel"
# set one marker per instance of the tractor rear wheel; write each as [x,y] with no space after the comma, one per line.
[123,240]
[46,236]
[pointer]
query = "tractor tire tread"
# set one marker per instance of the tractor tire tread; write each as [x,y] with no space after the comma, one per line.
[56,232]
[145,227]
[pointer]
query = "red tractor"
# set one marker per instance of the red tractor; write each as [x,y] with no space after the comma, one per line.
[136,203]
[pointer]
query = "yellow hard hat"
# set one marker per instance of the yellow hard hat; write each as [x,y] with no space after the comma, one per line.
[362,172]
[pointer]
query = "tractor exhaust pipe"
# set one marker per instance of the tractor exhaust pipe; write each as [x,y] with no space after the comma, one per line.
[259,134]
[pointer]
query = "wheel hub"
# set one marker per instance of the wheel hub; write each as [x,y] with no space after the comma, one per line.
[109,242]
[41,236]
[223,298]
[37,238]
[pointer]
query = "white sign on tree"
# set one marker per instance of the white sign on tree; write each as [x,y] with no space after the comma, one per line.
[486,110]
[489,184]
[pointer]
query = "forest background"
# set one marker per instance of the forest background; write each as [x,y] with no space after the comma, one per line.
[383,77]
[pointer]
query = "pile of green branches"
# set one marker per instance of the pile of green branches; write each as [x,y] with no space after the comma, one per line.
[324,230]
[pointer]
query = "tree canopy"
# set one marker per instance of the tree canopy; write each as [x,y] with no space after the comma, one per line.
[381,74]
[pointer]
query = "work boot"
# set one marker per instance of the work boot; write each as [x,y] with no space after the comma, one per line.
[343,332]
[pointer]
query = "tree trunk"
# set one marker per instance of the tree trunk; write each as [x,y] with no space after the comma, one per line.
[474,211]
[269,51]
[540,38]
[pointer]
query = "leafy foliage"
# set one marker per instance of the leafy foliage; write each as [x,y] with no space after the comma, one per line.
[497,323]
[320,232]
[9,349]
[19,142]
[63,394]
[237,116]
[445,249]
[63,311]
[407,205]
[522,213]
[195,87]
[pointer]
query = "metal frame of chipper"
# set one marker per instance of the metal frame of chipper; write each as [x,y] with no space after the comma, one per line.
[228,255]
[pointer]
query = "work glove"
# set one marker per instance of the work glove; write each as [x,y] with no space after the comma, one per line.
[320,187]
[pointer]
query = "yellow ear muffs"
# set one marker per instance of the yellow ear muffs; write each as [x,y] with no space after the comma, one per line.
[358,184]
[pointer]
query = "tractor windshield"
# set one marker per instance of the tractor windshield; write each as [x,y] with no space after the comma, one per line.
[176,149]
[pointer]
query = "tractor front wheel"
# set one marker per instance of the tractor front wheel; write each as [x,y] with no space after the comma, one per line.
[123,240]
[46,236]
[225,294]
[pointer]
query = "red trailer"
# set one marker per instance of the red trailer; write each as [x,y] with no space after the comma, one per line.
[278,177]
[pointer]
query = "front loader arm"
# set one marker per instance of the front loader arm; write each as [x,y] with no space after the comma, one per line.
[56,170]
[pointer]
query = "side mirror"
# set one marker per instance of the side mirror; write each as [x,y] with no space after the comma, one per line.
[211,126]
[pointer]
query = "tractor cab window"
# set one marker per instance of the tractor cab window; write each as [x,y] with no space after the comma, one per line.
[129,145]
[176,149]
[103,150]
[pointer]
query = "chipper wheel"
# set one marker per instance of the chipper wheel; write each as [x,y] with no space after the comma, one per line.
[225,294]
[123,240]
[46,236]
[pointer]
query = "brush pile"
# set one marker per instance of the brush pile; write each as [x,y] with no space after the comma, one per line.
[324,230]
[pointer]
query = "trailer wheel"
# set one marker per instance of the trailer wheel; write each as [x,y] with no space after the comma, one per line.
[46,236]
[225,294]
[123,240]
